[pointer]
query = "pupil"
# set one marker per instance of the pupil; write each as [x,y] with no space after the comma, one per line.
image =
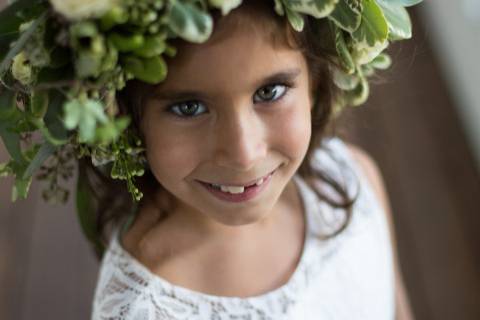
[189,107]
[268,90]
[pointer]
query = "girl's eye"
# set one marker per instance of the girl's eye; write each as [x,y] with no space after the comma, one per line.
[187,109]
[194,108]
[271,92]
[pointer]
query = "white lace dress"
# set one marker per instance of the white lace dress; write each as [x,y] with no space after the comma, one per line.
[347,277]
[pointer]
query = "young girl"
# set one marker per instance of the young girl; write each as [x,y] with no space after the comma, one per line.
[252,211]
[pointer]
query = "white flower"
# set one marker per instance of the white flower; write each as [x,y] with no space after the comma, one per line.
[81,9]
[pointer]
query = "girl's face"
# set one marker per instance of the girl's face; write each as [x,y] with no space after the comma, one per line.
[231,111]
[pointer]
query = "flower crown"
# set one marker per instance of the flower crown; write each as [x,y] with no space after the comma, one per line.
[62,62]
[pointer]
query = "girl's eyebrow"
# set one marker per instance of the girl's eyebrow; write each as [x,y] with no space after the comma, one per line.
[281,76]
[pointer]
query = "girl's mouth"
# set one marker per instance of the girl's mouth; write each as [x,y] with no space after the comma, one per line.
[238,193]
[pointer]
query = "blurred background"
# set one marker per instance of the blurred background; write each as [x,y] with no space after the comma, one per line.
[421,125]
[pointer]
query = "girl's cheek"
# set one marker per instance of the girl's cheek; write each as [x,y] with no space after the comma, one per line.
[295,128]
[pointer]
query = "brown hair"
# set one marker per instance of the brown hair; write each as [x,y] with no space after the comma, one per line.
[113,204]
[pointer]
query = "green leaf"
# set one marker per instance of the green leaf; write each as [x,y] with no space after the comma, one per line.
[225,5]
[18,12]
[126,43]
[42,154]
[20,188]
[405,3]
[53,119]
[345,81]
[152,46]
[363,53]
[40,125]
[20,43]
[382,61]
[342,50]
[9,117]
[112,130]
[8,106]
[346,16]
[86,210]
[316,8]
[39,103]
[295,19]
[359,94]
[11,141]
[151,70]
[279,8]
[189,22]
[373,28]
[399,24]
[5,169]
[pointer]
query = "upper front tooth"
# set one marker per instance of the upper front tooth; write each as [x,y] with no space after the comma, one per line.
[259,182]
[232,189]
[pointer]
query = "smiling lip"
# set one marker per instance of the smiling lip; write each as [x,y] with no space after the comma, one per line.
[249,193]
[240,184]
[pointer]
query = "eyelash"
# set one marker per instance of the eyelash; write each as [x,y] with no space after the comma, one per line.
[173,108]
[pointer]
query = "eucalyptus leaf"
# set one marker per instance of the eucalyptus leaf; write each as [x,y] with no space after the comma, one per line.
[53,118]
[40,125]
[8,107]
[39,103]
[20,188]
[5,169]
[9,117]
[86,210]
[42,154]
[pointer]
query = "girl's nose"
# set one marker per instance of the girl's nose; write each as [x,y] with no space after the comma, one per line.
[240,142]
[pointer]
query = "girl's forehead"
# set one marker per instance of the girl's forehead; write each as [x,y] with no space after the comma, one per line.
[236,50]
